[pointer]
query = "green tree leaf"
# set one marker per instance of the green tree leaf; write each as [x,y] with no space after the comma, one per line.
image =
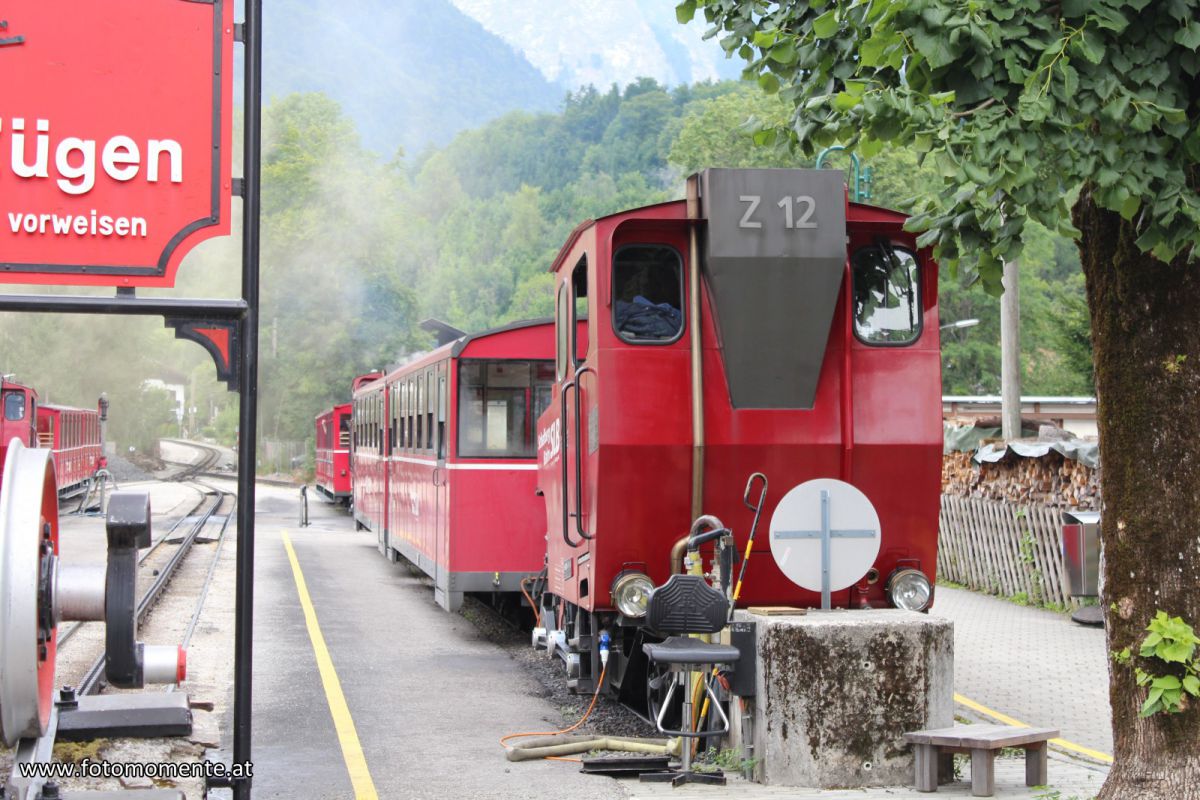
[1189,37]
[826,25]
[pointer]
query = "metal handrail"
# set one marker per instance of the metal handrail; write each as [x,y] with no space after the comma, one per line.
[562,457]
[579,453]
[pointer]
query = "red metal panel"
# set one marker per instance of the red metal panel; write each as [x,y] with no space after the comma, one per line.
[496,521]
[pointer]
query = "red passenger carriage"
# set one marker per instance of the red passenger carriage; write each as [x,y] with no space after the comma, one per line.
[764,325]
[333,453]
[73,434]
[444,459]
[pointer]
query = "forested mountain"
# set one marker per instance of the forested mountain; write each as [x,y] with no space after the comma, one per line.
[408,72]
[358,248]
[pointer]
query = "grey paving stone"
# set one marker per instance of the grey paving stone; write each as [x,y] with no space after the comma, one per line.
[1030,664]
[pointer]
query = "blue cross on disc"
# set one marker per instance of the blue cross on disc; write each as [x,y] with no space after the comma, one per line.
[825,535]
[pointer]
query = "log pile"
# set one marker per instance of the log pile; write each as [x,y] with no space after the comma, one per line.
[1052,480]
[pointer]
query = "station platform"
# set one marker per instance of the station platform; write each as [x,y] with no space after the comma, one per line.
[364,688]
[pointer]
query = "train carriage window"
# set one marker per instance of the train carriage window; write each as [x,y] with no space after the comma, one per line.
[401,405]
[648,294]
[392,417]
[406,419]
[579,309]
[498,406]
[344,433]
[408,413]
[441,412]
[430,394]
[563,330]
[14,406]
[887,296]
[418,413]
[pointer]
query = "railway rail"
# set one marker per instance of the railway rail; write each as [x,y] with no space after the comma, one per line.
[92,681]
[157,566]
[210,459]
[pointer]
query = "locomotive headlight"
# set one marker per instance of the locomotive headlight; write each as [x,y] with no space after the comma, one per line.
[909,589]
[631,593]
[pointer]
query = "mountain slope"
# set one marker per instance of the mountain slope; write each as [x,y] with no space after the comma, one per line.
[409,72]
[605,41]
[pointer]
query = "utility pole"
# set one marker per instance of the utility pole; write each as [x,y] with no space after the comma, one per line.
[1010,353]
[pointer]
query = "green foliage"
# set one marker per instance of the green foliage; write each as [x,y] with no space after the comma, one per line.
[141,417]
[727,758]
[1018,106]
[1171,643]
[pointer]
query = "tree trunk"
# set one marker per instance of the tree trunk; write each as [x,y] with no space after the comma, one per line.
[1146,338]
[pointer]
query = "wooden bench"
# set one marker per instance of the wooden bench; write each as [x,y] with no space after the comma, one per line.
[982,742]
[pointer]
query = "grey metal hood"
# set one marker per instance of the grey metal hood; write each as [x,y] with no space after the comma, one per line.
[774,252]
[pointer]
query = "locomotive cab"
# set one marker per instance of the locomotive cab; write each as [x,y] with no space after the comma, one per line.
[18,416]
[763,325]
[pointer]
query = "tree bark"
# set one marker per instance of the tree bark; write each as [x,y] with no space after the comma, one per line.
[1146,339]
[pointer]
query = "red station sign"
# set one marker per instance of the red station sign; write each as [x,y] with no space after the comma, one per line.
[115,137]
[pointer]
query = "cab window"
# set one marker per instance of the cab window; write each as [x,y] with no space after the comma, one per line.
[14,406]
[887,296]
[498,405]
[562,319]
[648,294]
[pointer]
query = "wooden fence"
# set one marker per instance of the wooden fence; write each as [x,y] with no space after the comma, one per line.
[1003,548]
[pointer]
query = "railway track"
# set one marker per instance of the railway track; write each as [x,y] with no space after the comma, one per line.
[209,460]
[157,566]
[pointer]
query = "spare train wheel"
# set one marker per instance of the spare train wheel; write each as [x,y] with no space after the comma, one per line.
[28,569]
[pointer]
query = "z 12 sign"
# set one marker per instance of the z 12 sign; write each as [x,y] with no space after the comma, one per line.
[115,137]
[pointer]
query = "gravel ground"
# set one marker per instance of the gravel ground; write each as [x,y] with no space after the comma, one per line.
[123,469]
[609,717]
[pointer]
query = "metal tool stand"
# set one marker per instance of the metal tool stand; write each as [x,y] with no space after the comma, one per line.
[228,329]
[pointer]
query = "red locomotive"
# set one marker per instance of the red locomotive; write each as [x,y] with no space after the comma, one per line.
[72,434]
[763,325]
[443,455]
[333,453]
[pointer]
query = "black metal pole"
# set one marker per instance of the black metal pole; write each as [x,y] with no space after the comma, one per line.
[248,406]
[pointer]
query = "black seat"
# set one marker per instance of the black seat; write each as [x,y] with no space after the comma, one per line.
[687,650]
[686,604]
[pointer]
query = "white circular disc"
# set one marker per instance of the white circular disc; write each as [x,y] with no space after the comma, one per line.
[796,539]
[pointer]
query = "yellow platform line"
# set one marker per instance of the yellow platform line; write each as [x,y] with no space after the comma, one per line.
[1007,720]
[352,753]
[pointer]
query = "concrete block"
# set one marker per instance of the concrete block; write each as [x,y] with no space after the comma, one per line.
[837,690]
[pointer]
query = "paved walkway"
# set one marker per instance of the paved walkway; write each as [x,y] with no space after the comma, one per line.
[1030,664]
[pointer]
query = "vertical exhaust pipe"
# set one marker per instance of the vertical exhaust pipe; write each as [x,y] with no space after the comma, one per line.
[694,322]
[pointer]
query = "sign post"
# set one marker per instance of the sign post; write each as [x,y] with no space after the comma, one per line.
[115,161]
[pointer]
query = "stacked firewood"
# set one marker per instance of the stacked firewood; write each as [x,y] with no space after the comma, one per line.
[1052,480]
